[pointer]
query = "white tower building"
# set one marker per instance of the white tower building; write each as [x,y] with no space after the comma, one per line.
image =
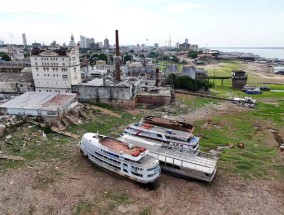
[56,70]
[24,39]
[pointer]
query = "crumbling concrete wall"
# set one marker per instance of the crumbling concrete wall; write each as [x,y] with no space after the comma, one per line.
[118,95]
[16,87]
[8,87]
[97,93]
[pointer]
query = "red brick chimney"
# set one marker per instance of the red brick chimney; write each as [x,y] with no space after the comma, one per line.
[117,55]
[157,77]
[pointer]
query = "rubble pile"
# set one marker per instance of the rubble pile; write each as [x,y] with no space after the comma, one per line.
[7,121]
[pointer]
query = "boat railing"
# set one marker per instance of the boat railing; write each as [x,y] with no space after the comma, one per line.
[199,158]
[124,161]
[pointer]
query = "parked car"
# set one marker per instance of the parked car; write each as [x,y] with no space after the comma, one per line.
[265,88]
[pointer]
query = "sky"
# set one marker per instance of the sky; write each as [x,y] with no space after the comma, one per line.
[212,23]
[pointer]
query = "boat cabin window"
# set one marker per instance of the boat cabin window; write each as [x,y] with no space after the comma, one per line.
[137,174]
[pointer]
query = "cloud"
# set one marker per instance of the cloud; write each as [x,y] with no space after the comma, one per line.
[178,8]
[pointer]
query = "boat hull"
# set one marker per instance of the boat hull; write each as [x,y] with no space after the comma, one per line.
[118,175]
[187,174]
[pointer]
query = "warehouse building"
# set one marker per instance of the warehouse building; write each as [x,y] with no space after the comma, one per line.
[43,104]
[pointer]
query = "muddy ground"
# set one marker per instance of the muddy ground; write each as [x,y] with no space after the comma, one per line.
[73,186]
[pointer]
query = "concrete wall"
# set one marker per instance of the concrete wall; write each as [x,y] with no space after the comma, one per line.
[102,92]
[16,87]
[239,83]
[122,96]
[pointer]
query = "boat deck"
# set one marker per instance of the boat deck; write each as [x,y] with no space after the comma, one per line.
[200,161]
[119,146]
[166,131]
[167,123]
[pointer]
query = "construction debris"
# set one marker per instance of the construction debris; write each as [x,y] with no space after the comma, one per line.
[282,148]
[106,111]
[14,158]
[247,102]
[2,130]
[68,134]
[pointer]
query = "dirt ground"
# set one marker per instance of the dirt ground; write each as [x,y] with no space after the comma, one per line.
[265,73]
[74,186]
[37,191]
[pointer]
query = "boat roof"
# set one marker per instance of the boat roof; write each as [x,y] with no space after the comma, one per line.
[120,146]
[165,131]
[168,123]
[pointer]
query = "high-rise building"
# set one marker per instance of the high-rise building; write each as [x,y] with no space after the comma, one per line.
[177,45]
[24,39]
[83,42]
[156,45]
[1,42]
[56,70]
[186,41]
[106,43]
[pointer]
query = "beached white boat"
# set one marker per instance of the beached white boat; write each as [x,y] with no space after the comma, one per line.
[120,158]
[165,132]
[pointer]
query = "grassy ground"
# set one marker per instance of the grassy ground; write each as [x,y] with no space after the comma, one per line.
[226,91]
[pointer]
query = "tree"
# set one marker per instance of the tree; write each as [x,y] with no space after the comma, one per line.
[192,54]
[102,57]
[5,56]
[153,55]
[126,58]
[175,59]
[187,83]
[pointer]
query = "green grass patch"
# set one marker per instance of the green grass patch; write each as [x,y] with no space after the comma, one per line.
[258,157]
[192,103]
[104,124]
[34,149]
[145,211]
[103,204]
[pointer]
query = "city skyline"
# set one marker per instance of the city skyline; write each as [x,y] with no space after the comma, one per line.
[206,22]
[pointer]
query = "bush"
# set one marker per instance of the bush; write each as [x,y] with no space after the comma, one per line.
[187,83]
[192,54]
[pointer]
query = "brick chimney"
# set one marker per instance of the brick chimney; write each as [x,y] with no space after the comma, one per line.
[117,57]
[157,77]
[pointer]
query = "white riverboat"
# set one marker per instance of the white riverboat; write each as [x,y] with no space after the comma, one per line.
[162,133]
[120,158]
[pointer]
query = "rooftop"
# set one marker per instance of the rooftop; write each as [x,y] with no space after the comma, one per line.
[40,100]
[109,82]
[16,77]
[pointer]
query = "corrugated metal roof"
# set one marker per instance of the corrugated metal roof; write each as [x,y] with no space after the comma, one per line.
[40,100]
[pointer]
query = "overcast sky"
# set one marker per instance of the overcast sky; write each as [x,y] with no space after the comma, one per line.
[216,23]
